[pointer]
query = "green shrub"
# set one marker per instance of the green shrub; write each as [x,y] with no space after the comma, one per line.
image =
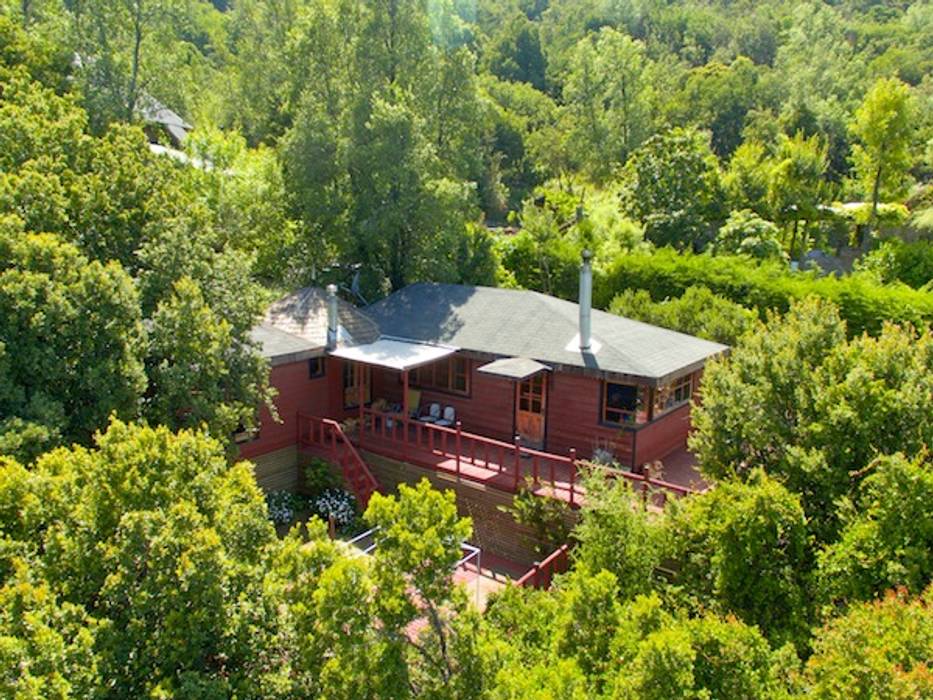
[319,477]
[863,303]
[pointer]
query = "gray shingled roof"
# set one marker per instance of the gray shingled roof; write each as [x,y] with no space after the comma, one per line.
[518,323]
[295,327]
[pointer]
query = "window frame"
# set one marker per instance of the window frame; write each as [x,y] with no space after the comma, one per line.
[604,406]
[418,377]
[322,368]
[666,399]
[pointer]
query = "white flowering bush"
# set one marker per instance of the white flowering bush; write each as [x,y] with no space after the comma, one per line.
[337,503]
[282,506]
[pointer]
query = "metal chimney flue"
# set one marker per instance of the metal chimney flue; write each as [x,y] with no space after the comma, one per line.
[586,300]
[331,316]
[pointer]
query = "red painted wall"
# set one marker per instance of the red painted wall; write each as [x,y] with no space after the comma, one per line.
[572,421]
[296,392]
[665,434]
[573,418]
[487,410]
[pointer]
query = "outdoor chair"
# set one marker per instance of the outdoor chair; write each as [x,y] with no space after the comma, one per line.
[414,403]
[450,417]
[433,415]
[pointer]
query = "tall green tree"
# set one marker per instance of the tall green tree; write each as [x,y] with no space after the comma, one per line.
[796,187]
[883,126]
[672,185]
[887,534]
[798,400]
[608,95]
[76,330]
[742,548]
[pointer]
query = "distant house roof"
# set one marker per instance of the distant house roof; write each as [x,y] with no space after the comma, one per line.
[154,112]
[295,327]
[517,323]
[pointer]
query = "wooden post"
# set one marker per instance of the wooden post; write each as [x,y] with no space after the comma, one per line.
[406,411]
[573,472]
[518,460]
[359,382]
[459,430]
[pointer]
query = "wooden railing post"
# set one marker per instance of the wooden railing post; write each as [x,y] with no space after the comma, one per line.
[573,472]
[518,459]
[459,435]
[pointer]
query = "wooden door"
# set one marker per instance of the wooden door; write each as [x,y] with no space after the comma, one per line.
[530,404]
[355,374]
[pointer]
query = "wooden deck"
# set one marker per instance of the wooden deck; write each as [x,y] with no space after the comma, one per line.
[493,463]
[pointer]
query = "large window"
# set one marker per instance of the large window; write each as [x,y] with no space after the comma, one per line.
[673,395]
[620,403]
[450,374]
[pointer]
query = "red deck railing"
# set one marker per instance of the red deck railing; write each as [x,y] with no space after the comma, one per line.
[515,461]
[327,435]
[542,573]
[454,450]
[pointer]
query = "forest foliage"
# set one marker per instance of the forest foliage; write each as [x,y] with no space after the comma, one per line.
[702,150]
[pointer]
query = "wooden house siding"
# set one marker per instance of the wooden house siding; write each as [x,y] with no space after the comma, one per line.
[487,409]
[667,433]
[573,411]
[296,392]
[574,420]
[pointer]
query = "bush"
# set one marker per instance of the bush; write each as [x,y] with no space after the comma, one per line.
[863,302]
[698,312]
[547,517]
[283,506]
[319,478]
[339,504]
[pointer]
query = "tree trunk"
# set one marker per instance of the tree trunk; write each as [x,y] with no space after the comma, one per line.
[875,194]
[134,72]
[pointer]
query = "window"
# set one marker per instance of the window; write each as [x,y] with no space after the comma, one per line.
[242,435]
[450,374]
[620,403]
[315,367]
[674,394]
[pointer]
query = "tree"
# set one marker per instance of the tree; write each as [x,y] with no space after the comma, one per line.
[876,650]
[672,185]
[746,181]
[418,543]
[718,97]
[200,372]
[746,233]
[124,46]
[743,548]
[796,186]
[406,215]
[157,538]
[803,403]
[615,534]
[887,534]
[76,328]
[608,95]
[884,127]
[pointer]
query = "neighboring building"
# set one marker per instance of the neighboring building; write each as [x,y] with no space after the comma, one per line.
[568,381]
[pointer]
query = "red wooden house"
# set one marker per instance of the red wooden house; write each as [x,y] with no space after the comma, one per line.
[492,383]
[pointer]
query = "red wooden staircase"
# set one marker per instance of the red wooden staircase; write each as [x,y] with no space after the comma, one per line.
[324,437]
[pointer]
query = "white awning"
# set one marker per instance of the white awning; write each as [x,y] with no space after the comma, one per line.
[394,354]
[516,368]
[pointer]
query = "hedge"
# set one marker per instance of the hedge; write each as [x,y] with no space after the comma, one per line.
[863,303]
